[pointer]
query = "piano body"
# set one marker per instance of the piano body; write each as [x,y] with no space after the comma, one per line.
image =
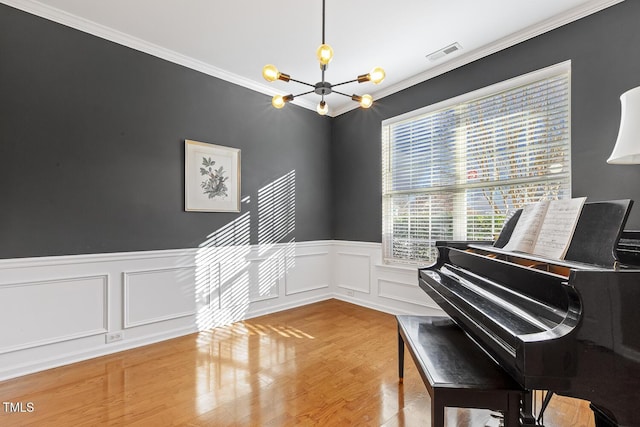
[569,326]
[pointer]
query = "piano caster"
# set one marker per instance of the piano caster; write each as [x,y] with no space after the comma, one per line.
[528,420]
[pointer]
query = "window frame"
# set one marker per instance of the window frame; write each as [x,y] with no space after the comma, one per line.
[544,74]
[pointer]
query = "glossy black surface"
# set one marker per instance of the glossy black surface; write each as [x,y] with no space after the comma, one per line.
[449,357]
[573,329]
[456,372]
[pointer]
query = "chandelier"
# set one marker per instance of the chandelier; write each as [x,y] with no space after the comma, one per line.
[323,87]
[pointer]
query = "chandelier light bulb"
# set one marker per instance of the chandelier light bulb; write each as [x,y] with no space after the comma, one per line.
[366,101]
[322,108]
[324,54]
[278,101]
[270,73]
[376,75]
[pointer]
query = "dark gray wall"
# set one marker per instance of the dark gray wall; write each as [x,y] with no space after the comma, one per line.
[92,146]
[91,137]
[605,63]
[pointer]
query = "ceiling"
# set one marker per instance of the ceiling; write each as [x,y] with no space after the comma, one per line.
[233,40]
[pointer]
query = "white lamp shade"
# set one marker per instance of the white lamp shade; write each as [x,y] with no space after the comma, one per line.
[627,149]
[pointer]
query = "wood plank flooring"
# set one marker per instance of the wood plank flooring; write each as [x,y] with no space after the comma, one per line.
[325,364]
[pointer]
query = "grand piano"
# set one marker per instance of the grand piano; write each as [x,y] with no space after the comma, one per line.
[569,326]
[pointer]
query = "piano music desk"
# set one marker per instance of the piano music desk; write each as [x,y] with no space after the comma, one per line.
[456,372]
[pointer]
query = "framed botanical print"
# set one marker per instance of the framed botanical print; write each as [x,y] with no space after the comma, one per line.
[212,177]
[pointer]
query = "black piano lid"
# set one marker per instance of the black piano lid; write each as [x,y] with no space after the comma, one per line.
[598,232]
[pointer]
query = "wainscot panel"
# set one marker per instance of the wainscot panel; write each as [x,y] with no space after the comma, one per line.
[362,278]
[157,295]
[353,271]
[38,313]
[308,270]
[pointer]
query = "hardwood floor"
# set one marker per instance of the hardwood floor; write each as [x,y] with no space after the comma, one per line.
[325,364]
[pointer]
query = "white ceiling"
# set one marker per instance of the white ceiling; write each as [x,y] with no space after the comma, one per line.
[233,40]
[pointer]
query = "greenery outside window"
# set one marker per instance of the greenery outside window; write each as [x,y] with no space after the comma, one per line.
[456,169]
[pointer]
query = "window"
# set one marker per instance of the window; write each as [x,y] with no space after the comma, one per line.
[455,170]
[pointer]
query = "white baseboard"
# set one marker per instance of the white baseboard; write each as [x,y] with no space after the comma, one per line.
[63,308]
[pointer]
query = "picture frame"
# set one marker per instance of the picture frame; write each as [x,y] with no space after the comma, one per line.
[212,177]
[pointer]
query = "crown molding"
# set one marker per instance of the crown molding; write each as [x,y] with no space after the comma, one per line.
[87,26]
[93,28]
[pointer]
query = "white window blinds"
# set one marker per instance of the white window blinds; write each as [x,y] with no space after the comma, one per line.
[453,171]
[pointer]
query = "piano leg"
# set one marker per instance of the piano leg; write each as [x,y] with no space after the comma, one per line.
[400,356]
[601,418]
[526,412]
[511,417]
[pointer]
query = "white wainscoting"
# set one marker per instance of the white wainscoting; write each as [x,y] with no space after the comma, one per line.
[308,272]
[56,303]
[157,295]
[361,277]
[59,310]
[353,270]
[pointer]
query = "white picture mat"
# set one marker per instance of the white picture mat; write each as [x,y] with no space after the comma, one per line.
[196,199]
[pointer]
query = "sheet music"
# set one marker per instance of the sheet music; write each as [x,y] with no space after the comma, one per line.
[525,233]
[557,228]
[546,228]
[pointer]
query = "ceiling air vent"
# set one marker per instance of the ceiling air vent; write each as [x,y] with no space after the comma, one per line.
[444,52]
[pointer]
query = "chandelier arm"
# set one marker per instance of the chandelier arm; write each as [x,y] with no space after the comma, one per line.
[303,83]
[302,94]
[340,93]
[344,83]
